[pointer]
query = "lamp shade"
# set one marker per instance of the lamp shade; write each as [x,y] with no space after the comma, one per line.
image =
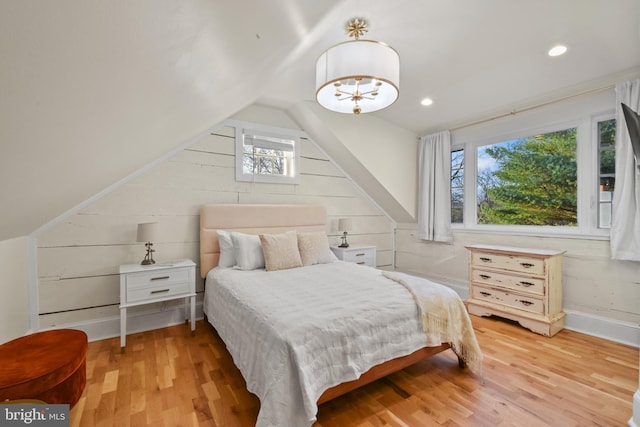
[344,224]
[358,76]
[147,231]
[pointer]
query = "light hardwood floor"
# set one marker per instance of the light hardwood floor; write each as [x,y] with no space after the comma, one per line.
[169,377]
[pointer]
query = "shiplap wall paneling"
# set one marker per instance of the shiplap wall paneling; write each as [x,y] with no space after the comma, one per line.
[78,259]
[593,283]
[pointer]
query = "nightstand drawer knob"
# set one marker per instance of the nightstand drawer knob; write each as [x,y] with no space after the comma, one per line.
[160,291]
[483,259]
[485,276]
[525,302]
[527,284]
[526,264]
[160,278]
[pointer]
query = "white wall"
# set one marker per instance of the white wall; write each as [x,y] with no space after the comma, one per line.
[78,258]
[386,150]
[14,305]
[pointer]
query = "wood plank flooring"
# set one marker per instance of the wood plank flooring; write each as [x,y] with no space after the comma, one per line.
[169,377]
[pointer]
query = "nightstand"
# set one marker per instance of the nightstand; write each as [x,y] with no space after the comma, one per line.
[146,284]
[359,254]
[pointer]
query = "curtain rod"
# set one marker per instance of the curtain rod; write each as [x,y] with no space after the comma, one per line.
[532,107]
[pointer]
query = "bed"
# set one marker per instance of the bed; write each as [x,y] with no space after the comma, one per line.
[304,330]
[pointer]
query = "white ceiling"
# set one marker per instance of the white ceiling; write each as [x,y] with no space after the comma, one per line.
[476,59]
[93,90]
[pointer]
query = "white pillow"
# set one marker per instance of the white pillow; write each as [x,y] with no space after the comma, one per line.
[280,251]
[227,256]
[247,250]
[314,248]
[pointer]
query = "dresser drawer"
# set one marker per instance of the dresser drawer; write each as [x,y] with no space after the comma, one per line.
[505,298]
[157,291]
[514,263]
[528,284]
[157,278]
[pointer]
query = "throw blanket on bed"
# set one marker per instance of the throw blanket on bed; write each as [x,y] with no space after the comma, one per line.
[443,313]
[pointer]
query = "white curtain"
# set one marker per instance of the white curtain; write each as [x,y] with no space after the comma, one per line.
[625,225]
[434,183]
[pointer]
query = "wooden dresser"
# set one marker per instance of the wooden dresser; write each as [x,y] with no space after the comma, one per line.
[524,285]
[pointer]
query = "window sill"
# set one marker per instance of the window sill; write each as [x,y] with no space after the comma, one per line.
[531,233]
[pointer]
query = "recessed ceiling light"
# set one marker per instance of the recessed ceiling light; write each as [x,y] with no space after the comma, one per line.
[426,102]
[557,50]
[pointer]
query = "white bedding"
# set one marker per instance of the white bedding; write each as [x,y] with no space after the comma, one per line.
[294,333]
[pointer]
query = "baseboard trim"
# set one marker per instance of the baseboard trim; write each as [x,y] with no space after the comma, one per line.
[597,326]
[109,327]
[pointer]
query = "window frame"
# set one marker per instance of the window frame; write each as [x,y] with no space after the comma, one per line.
[256,130]
[587,180]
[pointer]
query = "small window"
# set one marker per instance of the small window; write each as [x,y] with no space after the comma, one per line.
[529,181]
[266,157]
[606,171]
[457,186]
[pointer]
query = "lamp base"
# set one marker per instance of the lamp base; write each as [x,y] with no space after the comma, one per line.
[148,258]
[344,243]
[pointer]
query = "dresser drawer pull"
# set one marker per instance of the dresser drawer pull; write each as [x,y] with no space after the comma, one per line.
[526,284]
[483,259]
[160,278]
[525,302]
[526,264]
[485,276]
[160,291]
[486,294]
[361,254]
[360,263]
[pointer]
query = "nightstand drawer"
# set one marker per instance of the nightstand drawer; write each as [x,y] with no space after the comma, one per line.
[504,298]
[509,262]
[157,290]
[157,278]
[364,256]
[527,284]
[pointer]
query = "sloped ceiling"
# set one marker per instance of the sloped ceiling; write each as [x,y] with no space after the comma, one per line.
[93,90]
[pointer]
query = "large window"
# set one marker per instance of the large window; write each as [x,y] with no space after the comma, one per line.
[529,181]
[266,157]
[558,180]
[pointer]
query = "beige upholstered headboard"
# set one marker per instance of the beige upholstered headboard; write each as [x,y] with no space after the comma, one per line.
[252,219]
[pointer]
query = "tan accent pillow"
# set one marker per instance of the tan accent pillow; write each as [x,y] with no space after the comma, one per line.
[280,251]
[314,248]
